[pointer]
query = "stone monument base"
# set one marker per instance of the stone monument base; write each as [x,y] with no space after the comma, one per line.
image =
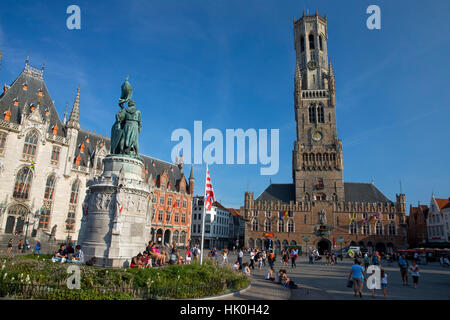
[117,220]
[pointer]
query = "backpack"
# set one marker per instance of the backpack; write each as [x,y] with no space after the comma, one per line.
[195,252]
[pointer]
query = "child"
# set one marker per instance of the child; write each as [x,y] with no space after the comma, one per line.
[384,277]
[414,270]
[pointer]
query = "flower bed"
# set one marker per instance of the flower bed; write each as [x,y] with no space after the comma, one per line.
[36,277]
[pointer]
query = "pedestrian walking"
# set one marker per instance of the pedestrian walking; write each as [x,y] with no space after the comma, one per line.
[271,259]
[252,259]
[403,264]
[311,257]
[10,246]
[414,270]
[240,257]
[384,281]
[37,248]
[366,262]
[357,275]
[20,246]
[264,257]
[294,256]
[285,258]
[225,257]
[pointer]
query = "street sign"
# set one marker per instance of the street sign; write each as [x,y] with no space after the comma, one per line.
[306,239]
[340,239]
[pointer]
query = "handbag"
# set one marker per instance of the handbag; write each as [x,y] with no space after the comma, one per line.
[350,284]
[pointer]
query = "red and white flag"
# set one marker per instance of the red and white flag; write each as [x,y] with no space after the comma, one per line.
[209,193]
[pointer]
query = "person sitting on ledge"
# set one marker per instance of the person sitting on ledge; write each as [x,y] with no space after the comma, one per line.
[236,265]
[78,257]
[136,261]
[145,260]
[174,256]
[246,269]
[269,275]
[285,281]
[60,255]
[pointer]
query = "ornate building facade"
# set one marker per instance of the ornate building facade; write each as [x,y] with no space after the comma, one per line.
[319,209]
[45,164]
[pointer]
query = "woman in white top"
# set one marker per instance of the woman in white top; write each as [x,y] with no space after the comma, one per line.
[225,257]
[414,269]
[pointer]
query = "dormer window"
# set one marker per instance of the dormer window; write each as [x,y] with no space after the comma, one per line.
[25,87]
[40,94]
[55,129]
[82,146]
[16,102]
[7,115]
[78,160]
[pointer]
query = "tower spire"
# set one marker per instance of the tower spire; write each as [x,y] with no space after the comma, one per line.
[74,120]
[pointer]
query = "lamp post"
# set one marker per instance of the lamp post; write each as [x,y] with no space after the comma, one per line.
[26,229]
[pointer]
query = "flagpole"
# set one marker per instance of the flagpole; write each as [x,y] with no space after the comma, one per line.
[203,218]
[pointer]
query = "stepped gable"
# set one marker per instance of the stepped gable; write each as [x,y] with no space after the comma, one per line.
[33,79]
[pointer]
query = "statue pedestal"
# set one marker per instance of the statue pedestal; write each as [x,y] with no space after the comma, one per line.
[117,215]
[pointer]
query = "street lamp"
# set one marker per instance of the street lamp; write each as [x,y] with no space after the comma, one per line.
[27,224]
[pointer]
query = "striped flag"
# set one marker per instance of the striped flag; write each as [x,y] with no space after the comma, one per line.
[209,193]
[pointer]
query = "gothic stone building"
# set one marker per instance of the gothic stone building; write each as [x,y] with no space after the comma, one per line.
[45,163]
[319,209]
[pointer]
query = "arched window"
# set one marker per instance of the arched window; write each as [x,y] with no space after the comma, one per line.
[291,226]
[175,237]
[311,42]
[325,157]
[23,183]
[320,43]
[302,43]
[353,229]
[74,192]
[280,225]
[312,114]
[366,228]
[392,229]
[254,225]
[307,197]
[182,239]
[321,114]
[49,187]
[311,157]
[319,157]
[267,225]
[305,157]
[378,228]
[30,145]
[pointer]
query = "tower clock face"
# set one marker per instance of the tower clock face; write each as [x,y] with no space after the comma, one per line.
[312,65]
[317,136]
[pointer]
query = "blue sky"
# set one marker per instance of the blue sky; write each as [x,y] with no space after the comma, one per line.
[231,64]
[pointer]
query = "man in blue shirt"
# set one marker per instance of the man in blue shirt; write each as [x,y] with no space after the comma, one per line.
[403,264]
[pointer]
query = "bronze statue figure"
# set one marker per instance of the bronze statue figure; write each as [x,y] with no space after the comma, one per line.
[126,129]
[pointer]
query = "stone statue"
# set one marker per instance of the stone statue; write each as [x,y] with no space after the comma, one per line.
[322,217]
[126,129]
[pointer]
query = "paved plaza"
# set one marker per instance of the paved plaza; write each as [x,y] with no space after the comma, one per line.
[320,281]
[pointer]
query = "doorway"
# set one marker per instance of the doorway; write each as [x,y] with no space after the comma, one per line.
[323,246]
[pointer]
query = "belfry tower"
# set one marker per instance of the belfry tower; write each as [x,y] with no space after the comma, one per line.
[317,162]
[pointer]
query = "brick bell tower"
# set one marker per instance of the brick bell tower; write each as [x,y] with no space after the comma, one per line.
[317,162]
